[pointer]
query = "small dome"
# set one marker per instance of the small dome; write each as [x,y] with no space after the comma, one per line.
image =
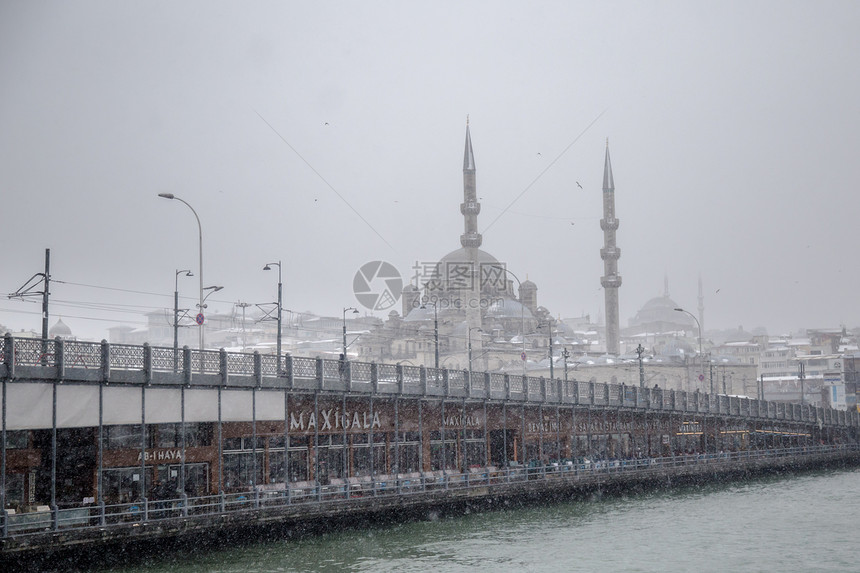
[60,329]
[420,313]
[508,308]
[661,310]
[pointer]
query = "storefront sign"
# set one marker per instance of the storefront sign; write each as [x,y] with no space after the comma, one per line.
[334,419]
[161,456]
[545,426]
[459,421]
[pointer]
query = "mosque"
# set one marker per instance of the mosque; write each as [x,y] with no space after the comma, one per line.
[470,311]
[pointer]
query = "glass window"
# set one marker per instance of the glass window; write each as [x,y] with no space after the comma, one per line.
[239,470]
[15,491]
[122,485]
[125,436]
[17,439]
[298,464]
[360,461]
[276,466]
[276,442]
[408,458]
[234,444]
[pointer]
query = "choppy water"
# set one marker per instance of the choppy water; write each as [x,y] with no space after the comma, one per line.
[797,523]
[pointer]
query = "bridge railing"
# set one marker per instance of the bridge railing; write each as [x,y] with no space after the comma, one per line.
[117,518]
[76,361]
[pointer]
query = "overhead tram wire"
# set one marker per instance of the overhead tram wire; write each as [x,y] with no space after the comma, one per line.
[113,288]
[324,180]
[547,168]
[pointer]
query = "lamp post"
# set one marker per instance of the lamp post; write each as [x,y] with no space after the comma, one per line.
[200,237]
[211,289]
[435,331]
[354,311]
[470,344]
[551,365]
[565,354]
[268,267]
[176,313]
[701,356]
[639,352]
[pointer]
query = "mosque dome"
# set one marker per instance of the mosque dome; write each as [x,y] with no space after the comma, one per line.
[508,308]
[60,329]
[461,255]
[659,315]
[454,272]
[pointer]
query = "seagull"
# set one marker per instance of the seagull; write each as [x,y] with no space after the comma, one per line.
[572,223]
[578,185]
[326,123]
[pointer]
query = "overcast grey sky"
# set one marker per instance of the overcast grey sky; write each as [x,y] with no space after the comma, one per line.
[733,128]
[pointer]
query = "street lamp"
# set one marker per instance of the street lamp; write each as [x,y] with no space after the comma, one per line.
[435,331]
[268,267]
[565,354]
[701,356]
[551,365]
[354,311]
[176,314]
[470,344]
[211,289]
[639,351]
[200,237]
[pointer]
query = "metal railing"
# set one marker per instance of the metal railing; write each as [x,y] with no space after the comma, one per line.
[88,362]
[491,480]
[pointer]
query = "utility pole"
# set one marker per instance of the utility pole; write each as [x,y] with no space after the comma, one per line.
[801,374]
[243,306]
[188,273]
[45,294]
[565,354]
[711,372]
[26,290]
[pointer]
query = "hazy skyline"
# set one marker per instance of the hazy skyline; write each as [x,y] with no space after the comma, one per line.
[732,129]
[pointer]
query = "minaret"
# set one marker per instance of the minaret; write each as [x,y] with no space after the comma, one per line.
[471,238]
[610,254]
[471,241]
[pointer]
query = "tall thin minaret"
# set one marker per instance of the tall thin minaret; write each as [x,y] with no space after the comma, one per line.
[610,254]
[471,241]
[471,238]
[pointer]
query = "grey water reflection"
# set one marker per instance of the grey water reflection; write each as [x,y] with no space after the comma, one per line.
[793,523]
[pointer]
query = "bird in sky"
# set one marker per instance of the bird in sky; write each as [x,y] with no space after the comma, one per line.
[578,185]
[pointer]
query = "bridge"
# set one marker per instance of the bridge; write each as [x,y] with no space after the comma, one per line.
[104,443]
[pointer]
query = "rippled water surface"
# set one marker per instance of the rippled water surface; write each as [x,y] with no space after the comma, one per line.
[797,523]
